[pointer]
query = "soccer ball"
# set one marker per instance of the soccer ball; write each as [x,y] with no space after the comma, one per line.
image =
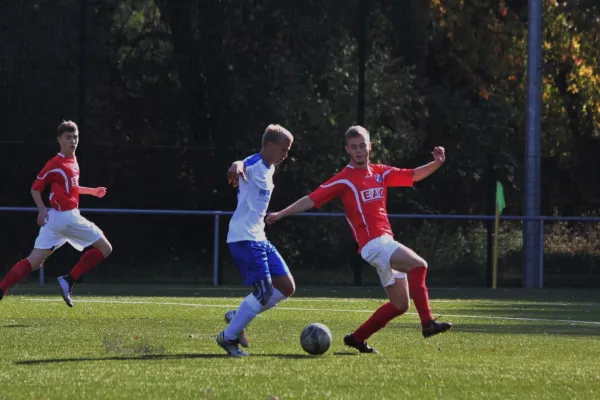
[315,338]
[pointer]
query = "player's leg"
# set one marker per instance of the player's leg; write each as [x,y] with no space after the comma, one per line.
[47,241]
[82,233]
[100,250]
[406,260]
[250,307]
[284,285]
[396,288]
[252,261]
[23,268]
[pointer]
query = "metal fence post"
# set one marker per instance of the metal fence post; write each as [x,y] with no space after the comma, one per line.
[216,250]
[533,145]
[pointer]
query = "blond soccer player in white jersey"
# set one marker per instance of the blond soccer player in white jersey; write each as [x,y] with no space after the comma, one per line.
[258,261]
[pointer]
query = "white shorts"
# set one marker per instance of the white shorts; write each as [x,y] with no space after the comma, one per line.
[378,253]
[67,226]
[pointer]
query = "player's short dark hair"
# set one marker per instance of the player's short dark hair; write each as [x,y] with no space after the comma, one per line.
[356,131]
[66,126]
[276,133]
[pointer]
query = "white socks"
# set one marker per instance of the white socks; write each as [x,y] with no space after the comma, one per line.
[275,298]
[248,310]
[243,316]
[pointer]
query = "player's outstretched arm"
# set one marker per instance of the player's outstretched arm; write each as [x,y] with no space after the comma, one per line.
[98,192]
[235,172]
[439,157]
[303,204]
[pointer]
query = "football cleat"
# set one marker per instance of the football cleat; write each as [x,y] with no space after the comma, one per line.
[65,289]
[230,346]
[363,347]
[433,328]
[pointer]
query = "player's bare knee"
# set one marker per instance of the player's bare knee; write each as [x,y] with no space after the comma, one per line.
[289,289]
[37,258]
[417,262]
[104,246]
[35,262]
[285,284]
[400,302]
[107,249]
[402,306]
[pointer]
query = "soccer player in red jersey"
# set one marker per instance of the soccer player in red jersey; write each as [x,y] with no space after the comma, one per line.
[62,223]
[362,189]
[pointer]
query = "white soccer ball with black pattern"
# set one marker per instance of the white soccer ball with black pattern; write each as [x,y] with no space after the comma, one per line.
[316,338]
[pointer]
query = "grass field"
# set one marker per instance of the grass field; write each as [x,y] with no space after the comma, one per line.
[157,342]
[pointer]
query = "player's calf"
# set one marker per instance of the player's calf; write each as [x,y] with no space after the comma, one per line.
[16,274]
[242,336]
[104,246]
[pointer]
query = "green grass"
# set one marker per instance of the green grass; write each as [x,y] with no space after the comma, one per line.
[157,342]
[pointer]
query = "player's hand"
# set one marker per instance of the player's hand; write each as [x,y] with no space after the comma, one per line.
[42,217]
[439,154]
[234,173]
[99,192]
[272,218]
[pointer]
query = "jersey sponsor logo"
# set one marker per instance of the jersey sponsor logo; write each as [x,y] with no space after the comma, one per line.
[371,194]
[264,195]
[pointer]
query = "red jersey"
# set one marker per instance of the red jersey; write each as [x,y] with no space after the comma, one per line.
[364,195]
[62,173]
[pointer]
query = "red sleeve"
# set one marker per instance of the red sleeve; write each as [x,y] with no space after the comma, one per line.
[328,191]
[43,178]
[398,177]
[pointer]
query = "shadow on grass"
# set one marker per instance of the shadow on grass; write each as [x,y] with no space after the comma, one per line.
[560,313]
[16,326]
[515,329]
[167,357]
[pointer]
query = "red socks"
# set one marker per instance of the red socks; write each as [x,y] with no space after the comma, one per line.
[418,291]
[15,275]
[378,320]
[22,269]
[88,260]
[387,312]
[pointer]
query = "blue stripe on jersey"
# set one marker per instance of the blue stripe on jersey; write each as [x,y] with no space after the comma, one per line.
[253,159]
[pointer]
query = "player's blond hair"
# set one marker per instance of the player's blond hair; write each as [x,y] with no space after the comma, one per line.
[356,131]
[66,126]
[276,133]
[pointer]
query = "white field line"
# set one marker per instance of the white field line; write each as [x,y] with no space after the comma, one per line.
[566,321]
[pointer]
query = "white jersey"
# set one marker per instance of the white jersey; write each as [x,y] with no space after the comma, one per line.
[254,193]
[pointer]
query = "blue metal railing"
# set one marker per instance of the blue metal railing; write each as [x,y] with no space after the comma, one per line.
[217,214]
[318,214]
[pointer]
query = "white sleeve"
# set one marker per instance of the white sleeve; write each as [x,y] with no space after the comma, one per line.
[258,174]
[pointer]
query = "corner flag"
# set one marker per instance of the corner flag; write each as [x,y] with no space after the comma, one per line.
[500,205]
